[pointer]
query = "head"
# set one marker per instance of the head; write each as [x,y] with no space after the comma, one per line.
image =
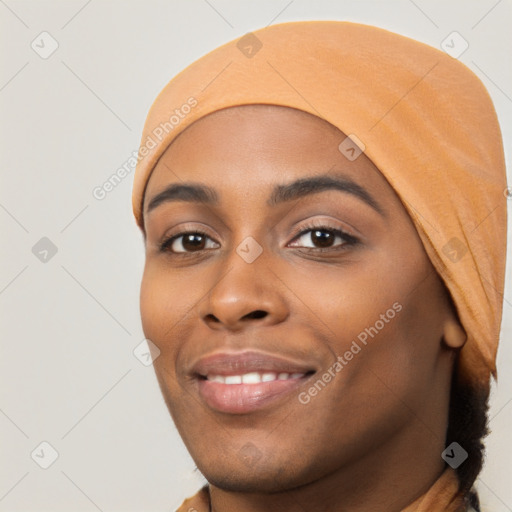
[342,285]
[337,229]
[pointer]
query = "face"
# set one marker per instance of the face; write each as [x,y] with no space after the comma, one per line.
[299,320]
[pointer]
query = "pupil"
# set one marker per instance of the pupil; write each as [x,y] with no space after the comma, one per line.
[193,241]
[323,241]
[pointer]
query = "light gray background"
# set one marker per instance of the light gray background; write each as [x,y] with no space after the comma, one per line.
[69,326]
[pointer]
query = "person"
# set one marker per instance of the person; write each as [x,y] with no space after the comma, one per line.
[323,211]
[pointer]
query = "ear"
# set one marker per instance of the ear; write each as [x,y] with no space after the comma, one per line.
[454,335]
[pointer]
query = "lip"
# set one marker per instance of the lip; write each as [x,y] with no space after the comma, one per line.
[246,398]
[235,363]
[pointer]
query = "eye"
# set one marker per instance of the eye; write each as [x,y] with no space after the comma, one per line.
[188,242]
[314,238]
[323,238]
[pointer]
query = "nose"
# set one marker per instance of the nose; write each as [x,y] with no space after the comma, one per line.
[244,294]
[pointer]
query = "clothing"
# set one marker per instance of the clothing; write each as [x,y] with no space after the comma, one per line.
[439,498]
[423,118]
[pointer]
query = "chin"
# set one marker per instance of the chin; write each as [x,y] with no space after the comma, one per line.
[249,482]
[259,478]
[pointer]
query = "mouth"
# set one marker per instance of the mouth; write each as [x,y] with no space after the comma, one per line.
[240,383]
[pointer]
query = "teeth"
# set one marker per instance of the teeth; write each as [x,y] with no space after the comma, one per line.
[253,377]
[233,379]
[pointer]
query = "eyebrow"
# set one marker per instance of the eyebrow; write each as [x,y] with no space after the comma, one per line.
[199,193]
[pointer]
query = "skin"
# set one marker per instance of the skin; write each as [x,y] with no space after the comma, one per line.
[371,439]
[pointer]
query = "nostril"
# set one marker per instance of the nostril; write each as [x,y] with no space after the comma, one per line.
[257,314]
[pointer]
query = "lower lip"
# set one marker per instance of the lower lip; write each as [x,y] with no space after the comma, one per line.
[245,398]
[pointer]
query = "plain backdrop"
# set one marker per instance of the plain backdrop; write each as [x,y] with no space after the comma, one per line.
[71,264]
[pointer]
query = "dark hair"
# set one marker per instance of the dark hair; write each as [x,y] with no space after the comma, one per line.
[467,425]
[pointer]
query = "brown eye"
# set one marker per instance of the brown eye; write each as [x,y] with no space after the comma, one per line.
[192,241]
[323,237]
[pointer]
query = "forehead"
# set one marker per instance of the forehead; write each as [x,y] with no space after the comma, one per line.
[254,146]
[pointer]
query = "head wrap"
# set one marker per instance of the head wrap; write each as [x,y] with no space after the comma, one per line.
[422,117]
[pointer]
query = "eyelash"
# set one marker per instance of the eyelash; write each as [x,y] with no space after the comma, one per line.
[348,240]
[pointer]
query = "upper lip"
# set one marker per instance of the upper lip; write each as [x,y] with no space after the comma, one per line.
[238,363]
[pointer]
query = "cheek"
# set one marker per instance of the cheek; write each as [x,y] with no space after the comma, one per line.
[152,305]
[379,316]
[351,299]
[163,308]
[164,304]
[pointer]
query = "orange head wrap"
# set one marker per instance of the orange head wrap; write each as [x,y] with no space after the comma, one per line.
[423,118]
